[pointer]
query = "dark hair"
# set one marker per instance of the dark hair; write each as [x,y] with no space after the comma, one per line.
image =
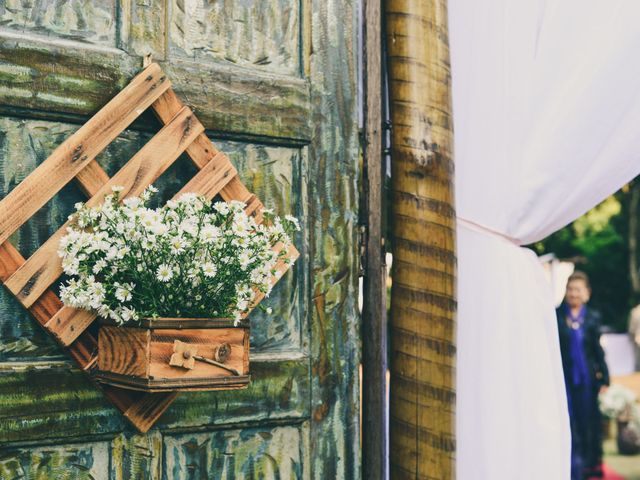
[579,275]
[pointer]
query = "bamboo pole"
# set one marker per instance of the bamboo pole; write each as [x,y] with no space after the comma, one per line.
[422,398]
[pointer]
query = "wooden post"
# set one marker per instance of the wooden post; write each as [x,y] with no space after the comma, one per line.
[422,397]
[374,331]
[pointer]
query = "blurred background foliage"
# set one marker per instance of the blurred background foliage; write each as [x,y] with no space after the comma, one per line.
[604,243]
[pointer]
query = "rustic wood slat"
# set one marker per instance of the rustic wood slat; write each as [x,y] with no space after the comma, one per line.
[281,267]
[212,178]
[68,323]
[44,266]
[91,178]
[145,410]
[202,151]
[79,149]
[205,339]
[83,350]
[129,348]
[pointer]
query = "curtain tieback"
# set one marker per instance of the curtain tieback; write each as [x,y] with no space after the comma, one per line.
[478,227]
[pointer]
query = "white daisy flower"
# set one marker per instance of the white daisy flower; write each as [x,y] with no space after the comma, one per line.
[210,234]
[177,245]
[164,273]
[99,265]
[221,207]
[132,202]
[245,259]
[123,294]
[209,269]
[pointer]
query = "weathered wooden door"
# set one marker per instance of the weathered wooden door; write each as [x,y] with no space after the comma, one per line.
[274,82]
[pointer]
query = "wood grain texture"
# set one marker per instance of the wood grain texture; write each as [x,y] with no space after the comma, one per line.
[84,348]
[84,351]
[212,178]
[375,408]
[141,411]
[275,173]
[306,354]
[84,461]
[333,250]
[136,457]
[261,35]
[124,350]
[202,151]
[138,358]
[43,267]
[53,79]
[254,452]
[91,178]
[88,22]
[79,149]
[205,340]
[145,411]
[423,302]
[67,324]
[279,391]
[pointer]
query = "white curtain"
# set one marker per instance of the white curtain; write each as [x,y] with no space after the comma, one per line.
[546,97]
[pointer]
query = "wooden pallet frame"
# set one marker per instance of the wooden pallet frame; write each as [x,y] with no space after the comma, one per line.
[30,280]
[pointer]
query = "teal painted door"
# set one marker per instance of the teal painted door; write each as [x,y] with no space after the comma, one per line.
[274,82]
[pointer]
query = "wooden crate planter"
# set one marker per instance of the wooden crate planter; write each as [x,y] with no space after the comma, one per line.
[167,354]
[30,280]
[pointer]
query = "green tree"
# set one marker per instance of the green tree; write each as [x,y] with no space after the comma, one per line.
[599,244]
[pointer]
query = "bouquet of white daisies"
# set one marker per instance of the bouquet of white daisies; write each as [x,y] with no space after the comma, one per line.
[190,258]
[617,401]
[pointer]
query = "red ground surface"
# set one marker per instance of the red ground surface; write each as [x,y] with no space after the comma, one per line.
[610,474]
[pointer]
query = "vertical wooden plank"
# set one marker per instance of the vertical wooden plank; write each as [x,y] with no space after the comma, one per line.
[143,28]
[423,344]
[374,313]
[333,264]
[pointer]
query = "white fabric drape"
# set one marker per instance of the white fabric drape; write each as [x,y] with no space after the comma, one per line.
[546,97]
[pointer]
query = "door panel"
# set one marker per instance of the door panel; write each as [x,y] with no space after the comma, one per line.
[85,461]
[255,452]
[274,83]
[259,35]
[85,21]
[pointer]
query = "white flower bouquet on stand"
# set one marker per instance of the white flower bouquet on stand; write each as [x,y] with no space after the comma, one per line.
[190,263]
[620,403]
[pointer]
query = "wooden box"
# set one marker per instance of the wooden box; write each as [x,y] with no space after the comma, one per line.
[172,354]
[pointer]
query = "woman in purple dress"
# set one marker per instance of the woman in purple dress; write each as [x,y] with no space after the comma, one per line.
[585,374]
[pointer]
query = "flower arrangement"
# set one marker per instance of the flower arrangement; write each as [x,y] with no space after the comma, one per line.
[188,258]
[617,401]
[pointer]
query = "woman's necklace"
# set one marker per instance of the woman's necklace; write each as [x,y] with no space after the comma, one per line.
[575,321]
